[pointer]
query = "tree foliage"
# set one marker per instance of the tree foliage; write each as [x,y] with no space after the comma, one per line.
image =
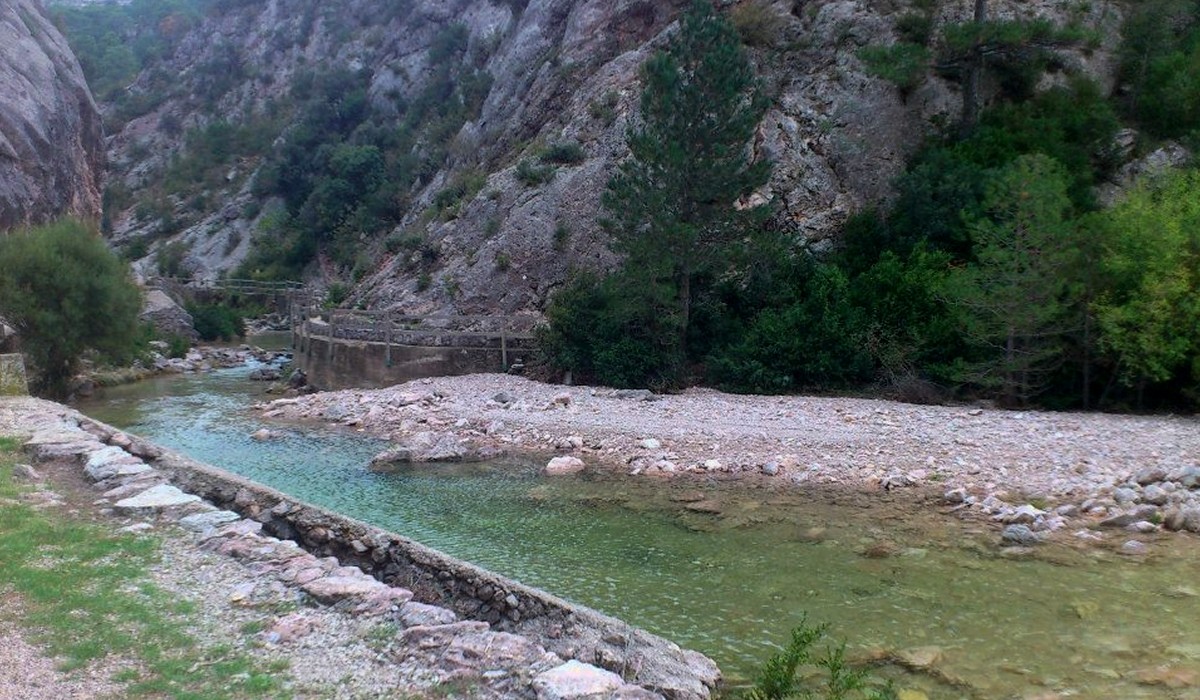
[1015,301]
[67,294]
[672,208]
[1160,66]
[1149,313]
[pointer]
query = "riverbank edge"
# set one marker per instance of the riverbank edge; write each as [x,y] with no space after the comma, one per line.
[1087,479]
[572,631]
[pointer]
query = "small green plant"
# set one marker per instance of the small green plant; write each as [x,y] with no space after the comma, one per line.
[903,64]
[503,262]
[424,280]
[604,108]
[564,153]
[778,680]
[531,175]
[492,226]
[336,294]
[407,242]
[562,234]
[451,286]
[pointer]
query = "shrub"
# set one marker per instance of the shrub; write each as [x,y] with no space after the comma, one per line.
[815,342]
[66,292]
[336,294]
[177,346]
[564,153]
[562,234]
[531,175]
[171,259]
[604,108]
[903,64]
[503,262]
[611,332]
[757,23]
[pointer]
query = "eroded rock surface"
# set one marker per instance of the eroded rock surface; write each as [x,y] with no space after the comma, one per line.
[51,140]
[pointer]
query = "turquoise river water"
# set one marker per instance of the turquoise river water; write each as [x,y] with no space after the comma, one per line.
[887,575]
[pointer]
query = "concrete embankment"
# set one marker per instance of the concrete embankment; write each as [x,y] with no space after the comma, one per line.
[547,645]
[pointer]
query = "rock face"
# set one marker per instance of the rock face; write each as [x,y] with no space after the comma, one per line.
[51,140]
[167,316]
[561,70]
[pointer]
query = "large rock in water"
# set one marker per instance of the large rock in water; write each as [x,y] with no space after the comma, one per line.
[51,139]
[426,447]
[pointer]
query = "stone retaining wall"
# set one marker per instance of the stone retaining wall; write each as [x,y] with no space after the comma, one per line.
[571,631]
[344,363]
[12,376]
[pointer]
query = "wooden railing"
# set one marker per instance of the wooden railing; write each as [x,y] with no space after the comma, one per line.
[506,333]
[306,316]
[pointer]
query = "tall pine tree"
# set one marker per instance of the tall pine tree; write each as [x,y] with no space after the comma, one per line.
[1015,302]
[672,208]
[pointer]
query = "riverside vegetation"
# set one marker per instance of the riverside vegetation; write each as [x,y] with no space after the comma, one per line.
[995,270]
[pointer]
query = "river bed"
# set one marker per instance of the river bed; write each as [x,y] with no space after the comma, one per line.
[729,575]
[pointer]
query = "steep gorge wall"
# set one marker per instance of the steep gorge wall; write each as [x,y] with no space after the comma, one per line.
[562,70]
[51,140]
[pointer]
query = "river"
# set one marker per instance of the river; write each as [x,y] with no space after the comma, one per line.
[886,574]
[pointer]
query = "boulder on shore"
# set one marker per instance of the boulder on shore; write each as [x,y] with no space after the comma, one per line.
[560,466]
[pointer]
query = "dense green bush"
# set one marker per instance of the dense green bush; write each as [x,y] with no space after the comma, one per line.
[612,332]
[217,321]
[66,293]
[814,342]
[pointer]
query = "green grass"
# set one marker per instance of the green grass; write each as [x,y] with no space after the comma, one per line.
[86,595]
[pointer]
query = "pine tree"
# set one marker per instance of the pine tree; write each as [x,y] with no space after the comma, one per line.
[1014,303]
[672,208]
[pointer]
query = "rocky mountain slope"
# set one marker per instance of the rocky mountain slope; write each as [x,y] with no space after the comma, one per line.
[51,141]
[473,232]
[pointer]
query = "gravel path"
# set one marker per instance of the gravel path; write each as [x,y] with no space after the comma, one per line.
[28,674]
[840,440]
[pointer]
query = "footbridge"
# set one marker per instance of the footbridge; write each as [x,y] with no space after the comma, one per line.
[344,347]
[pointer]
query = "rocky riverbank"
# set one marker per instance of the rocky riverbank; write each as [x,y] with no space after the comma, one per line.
[202,358]
[1093,477]
[323,605]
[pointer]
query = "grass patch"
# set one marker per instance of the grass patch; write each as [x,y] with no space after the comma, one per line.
[86,595]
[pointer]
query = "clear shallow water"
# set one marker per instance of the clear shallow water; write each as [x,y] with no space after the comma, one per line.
[732,584]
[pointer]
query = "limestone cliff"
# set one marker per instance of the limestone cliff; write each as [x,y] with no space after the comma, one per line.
[561,70]
[51,142]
